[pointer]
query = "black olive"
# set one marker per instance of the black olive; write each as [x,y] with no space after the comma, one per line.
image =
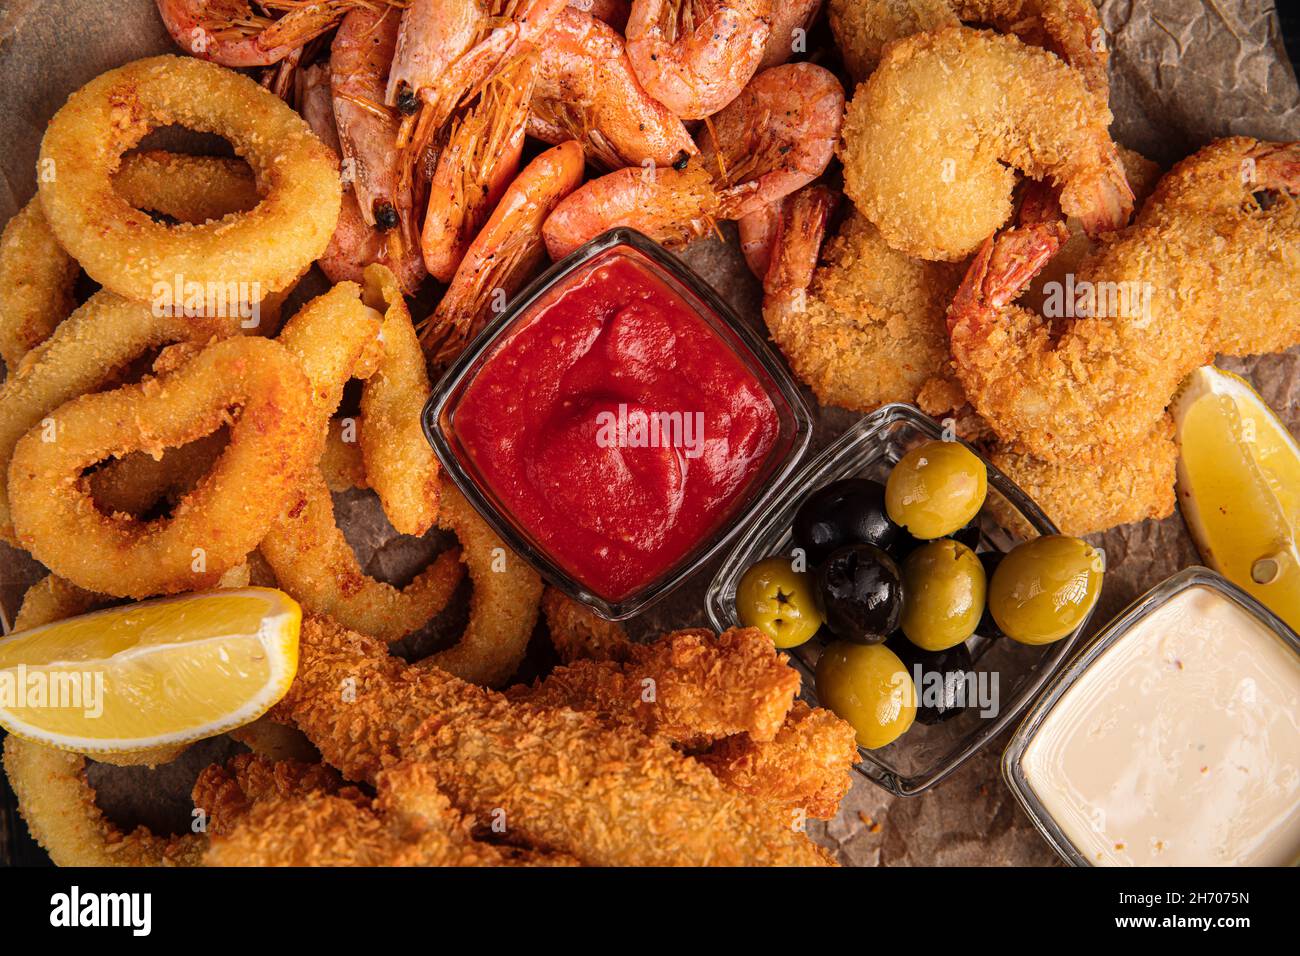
[941,680]
[987,627]
[844,512]
[860,591]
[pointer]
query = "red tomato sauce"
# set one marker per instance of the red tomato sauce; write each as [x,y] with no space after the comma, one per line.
[616,427]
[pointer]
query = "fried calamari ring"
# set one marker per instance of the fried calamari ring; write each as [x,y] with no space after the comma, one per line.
[314,563]
[334,337]
[399,462]
[305,549]
[193,189]
[84,354]
[37,276]
[52,599]
[58,803]
[136,484]
[503,606]
[273,442]
[36,279]
[342,464]
[125,250]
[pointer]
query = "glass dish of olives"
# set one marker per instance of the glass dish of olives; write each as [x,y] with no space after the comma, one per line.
[885,570]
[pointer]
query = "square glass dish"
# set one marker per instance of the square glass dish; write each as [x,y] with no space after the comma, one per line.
[1160,667]
[705,329]
[925,754]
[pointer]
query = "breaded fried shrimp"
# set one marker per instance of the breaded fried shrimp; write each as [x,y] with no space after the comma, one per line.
[932,141]
[1071,28]
[867,326]
[1161,305]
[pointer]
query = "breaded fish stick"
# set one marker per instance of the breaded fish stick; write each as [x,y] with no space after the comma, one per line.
[807,765]
[556,779]
[290,814]
[690,687]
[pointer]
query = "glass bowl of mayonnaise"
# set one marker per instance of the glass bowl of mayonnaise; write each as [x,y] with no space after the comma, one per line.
[1172,738]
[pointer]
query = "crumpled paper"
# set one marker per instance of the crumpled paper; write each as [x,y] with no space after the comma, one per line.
[1182,73]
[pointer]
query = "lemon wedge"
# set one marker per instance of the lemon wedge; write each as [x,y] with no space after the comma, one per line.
[1239,487]
[161,672]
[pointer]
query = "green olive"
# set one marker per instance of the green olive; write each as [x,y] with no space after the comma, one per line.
[943,594]
[1045,587]
[935,489]
[868,686]
[779,601]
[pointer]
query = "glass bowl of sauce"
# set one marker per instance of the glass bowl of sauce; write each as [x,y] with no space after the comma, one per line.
[1172,739]
[617,423]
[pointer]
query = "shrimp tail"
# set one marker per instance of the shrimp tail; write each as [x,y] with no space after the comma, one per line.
[1005,264]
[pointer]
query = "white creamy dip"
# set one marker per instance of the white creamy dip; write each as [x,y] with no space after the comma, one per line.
[1179,745]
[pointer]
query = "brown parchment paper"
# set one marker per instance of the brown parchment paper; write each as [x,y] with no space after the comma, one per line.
[1183,72]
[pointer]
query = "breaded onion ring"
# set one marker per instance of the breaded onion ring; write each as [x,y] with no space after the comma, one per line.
[273,441]
[128,252]
[59,806]
[399,462]
[83,355]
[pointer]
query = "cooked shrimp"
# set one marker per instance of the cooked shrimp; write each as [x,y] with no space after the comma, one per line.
[282,78]
[586,90]
[613,12]
[1070,28]
[359,60]
[930,139]
[230,33]
[695,56]
[1209,265]
[758,233]
[790,22]
[670,205]
[446,51]
[475,165]
[778,135]
[354,245]
[504,253]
